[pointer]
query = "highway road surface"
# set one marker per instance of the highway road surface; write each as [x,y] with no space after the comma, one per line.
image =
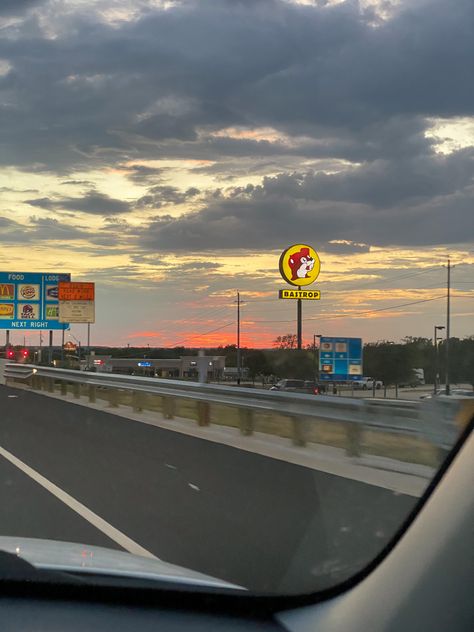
[77,474]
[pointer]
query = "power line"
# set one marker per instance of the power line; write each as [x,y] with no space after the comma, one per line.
[205,333]
[371,311]
[357,285]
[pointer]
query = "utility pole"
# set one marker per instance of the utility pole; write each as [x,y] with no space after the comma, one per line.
[436,377]
[448,324]
[239,368]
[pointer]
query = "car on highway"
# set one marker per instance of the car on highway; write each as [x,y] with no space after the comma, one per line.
[297,386]
[290,385]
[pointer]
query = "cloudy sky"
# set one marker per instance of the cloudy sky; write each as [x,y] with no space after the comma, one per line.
[170,150]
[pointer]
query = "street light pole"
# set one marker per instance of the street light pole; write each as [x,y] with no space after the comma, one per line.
[436,376]
[315,364]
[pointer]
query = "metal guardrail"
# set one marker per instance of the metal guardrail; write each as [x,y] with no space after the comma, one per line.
[391,416]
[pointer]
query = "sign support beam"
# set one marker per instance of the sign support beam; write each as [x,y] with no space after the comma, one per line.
[50,347]
[299,318]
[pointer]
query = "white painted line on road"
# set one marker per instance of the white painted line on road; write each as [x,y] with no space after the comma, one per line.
[99,523]
[171,467]
[195,487]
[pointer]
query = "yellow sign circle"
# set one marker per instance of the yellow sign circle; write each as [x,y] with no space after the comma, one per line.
[300,265]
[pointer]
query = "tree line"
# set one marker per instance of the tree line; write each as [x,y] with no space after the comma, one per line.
[391,362]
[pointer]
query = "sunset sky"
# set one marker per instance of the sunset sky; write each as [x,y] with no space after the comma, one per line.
[170,150]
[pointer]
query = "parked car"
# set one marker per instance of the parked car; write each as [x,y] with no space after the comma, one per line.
[367,383]
[297,386]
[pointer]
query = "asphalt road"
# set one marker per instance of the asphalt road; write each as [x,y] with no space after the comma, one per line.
[249,519]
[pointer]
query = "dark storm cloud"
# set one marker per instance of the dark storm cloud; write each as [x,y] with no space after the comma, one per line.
[141,174]
[78,182]
[92,202]
[369,205]
[95,91]
[336,88]
[17,7]
[38,230]
[380,183]
[162,195]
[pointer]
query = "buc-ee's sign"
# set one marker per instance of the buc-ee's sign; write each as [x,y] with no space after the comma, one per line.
[300,266]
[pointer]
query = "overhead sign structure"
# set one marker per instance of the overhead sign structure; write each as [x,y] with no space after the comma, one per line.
[29,300]
[300,265]
[340,359]
[76,302]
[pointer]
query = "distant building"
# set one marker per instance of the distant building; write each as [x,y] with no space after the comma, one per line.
[183,367]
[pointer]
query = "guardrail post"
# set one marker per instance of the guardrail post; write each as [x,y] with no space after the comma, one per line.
[64,388]
[299,435]
[246,421]
[354,436]
[91,391]
[50,384]
[76,389]
[42,383]
[36,383]
[137,401]
[169,407]
[204,413]
[113,397]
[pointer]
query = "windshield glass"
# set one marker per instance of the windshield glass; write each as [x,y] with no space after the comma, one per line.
[207,203]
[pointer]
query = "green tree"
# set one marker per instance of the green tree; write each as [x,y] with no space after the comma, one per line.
[392,363]
[287,341]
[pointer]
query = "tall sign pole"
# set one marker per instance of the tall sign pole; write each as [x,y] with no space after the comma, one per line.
[299,267]
[299,323]
[239,361]
[448,324]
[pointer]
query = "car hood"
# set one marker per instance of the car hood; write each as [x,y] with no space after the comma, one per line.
[96,560]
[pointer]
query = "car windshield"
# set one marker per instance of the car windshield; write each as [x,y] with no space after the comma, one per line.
[205,202]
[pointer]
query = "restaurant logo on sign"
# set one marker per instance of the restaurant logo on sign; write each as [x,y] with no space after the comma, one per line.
[7,310]
[7,291]
[299,265]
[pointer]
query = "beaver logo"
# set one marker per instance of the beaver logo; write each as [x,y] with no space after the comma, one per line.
[299,265]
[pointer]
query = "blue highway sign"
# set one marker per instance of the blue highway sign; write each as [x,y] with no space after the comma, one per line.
[29,300]
[340,359]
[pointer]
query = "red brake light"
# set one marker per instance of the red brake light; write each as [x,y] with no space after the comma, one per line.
[25,353]
[10,353]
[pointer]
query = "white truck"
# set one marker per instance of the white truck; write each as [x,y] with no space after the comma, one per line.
[367,383]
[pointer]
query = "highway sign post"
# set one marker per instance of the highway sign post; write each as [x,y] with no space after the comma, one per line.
[340,359]
[77,305]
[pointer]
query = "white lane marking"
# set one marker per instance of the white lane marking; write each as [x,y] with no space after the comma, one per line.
[99,523]
[12,396]
[171,467]
[195,487]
